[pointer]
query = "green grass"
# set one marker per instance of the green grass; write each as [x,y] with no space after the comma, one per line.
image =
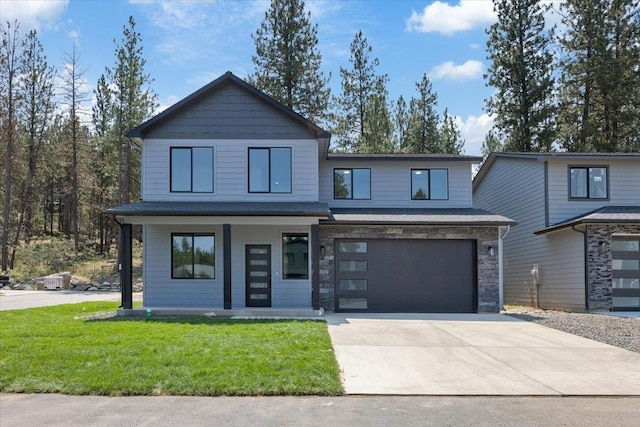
[57,350]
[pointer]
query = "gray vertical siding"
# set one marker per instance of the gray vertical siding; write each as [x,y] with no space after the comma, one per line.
[624,188]
[391,184]
[230,170]
[515,188]
[162,291]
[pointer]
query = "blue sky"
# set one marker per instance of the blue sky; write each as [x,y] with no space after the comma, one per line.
[189,43]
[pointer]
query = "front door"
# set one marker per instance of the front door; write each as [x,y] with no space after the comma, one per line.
[258,258]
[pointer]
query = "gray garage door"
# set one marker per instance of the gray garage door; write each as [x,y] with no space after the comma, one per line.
[410,276]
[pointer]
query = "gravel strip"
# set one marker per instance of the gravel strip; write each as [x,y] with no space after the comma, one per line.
[618,331]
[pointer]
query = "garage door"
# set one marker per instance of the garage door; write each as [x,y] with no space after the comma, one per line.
[410,276]
[626,273]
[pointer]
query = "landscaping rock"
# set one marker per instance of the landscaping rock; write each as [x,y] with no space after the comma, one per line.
[93,288]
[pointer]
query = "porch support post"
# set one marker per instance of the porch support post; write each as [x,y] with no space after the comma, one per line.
[315,265]
[126,265]
[226,260]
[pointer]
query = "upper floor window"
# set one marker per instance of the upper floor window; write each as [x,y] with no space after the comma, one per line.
[192,169]
[429,184]
[269,170]
[352,184]
[192,256]
[588,182]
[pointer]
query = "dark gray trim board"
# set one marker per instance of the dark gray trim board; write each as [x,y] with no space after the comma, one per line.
[126,266]
[226,261]
[401,156]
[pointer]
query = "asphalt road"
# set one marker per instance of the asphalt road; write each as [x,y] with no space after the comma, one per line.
[58,410]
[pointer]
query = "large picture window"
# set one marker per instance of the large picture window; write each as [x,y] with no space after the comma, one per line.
[269,170]
[429,184]
[192,256]
[588,182]
[192,169]
[295,256]
[352,184]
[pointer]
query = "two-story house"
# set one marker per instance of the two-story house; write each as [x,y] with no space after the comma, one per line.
[577,243]
[243,206]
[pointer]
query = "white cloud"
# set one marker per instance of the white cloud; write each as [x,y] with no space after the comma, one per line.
[470,70]
[447,19]
[473,130]
[474,45]
[32,14]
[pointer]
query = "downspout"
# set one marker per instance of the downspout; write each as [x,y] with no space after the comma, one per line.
[500,266]
[586,267]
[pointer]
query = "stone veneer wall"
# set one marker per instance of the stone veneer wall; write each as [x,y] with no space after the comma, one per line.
[487,268]
[600,286]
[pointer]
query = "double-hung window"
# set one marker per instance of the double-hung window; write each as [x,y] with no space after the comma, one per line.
[192,256]
[269,170]
[295,256]
[588,182]
[429,184]
[191,169]
[352,184]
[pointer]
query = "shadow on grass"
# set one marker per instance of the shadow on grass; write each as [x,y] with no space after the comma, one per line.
[191,320]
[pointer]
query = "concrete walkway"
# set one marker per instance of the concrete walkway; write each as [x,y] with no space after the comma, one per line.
[475,354]
[14,300]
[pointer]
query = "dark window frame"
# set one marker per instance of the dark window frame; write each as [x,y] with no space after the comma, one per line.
[269,165]
[588,198]
[430,181]
[352,190]
[213,157]
[193,236]
[283,253]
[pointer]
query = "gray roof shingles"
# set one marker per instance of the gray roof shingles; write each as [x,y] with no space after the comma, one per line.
[221,209]
[436,216]
[604,215]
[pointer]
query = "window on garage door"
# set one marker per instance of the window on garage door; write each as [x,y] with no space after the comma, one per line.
[626,272]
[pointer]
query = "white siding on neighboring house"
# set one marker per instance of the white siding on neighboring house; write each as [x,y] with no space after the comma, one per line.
[391,184]
[230,170]
[160,290]
[624,188]
[515,188]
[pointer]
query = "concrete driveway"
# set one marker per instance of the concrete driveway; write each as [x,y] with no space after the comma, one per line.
[475,354]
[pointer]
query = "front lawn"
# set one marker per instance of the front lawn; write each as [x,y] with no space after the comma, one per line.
[58,350]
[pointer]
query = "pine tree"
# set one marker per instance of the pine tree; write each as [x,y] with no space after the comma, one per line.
[360,85]
[449,137]
[422,129]
[287,60]
[73,97]
[125,101]
[10,48]
[378,126]
[521,72]
[491,144]
[583,44]
[400,124]
[36,88]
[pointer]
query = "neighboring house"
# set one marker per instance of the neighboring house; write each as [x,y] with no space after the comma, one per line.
[578,221]
[243,206]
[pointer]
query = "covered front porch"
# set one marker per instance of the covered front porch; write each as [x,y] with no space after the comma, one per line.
[223,258]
